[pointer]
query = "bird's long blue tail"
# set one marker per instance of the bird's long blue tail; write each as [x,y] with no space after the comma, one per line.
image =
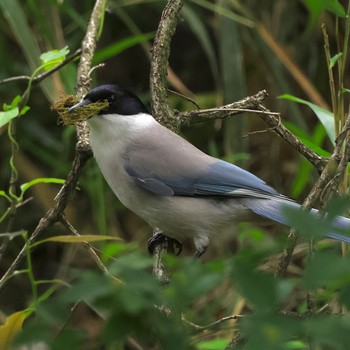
[272,208]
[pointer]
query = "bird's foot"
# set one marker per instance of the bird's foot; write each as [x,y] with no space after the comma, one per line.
[173,245]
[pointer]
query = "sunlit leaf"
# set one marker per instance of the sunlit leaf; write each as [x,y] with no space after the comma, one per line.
[52,58]
[12,111]
[11,327]
[7,116]
[335,59]
[324,116]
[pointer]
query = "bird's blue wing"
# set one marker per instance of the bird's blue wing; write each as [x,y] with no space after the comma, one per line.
[224,178]
[217,178]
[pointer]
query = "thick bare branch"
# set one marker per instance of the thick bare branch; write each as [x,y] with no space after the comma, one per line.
[159,65]
[82,153]
[325,188]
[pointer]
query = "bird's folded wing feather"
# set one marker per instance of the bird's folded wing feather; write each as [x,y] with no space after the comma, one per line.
[177,168]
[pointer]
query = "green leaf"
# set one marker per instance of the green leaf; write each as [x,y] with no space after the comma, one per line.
[7,116]
[11,327]
[197,25]
[3,194]
[215,344]
[120,46]
[327,269]
[24,110]
[17,21]
[335,7]
[24,187]
[13,105]
[306,139]
[51,59]
[343,90]
[324,116]
[77,239]
[335,59]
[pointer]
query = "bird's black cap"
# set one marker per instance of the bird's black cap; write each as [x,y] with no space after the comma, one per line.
[120,101]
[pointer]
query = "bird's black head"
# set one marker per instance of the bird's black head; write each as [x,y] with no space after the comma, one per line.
[120,101]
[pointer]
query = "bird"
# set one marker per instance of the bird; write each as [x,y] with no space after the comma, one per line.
[171,184]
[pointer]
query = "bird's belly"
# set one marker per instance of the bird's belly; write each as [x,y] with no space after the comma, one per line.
[177,216]
[189,217]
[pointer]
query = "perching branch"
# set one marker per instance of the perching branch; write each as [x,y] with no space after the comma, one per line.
[159,65]
[253,104]
[82,153]
[160,107]
[325,188]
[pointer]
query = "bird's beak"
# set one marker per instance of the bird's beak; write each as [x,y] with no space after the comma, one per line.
[82,103]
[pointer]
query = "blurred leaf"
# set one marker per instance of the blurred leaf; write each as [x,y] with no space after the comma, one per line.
[324,116]
[233,82]
[17,20]
[317,6]
[90,286]
[335,59]
[269,331]
[215,344]
[11,327]
[307,223]
[327,269]
[329,331]
[296,344]
[112,249]
[120,46]
[338,205]
[335,7]
[196,24]
[248,277]
[51,59]
[224,12]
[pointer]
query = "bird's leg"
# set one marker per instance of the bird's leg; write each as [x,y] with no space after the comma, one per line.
[201,243]
[172,244]
[199,252]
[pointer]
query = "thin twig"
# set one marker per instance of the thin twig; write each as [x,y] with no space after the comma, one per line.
[160,107]
[82,152]
[325,187]
[88,246]
[213,324]
[159,65]
[39,78]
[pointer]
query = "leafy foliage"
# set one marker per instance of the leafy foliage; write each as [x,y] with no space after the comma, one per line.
[65,301]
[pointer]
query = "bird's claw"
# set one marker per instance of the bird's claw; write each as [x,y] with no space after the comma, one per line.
[172,244]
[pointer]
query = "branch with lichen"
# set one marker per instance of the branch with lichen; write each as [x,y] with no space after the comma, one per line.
[82,153]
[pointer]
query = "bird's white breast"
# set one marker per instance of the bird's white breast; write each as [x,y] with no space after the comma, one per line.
[110,135]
